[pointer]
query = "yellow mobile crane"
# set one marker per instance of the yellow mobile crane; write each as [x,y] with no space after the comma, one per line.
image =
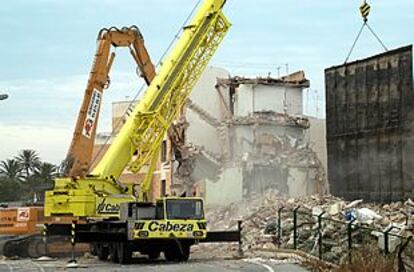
[120,221]
[80,152]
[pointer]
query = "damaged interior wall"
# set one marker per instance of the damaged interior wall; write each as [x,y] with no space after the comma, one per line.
[248,134]
[370,117]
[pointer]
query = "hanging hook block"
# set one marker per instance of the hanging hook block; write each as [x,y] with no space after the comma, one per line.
[365,10]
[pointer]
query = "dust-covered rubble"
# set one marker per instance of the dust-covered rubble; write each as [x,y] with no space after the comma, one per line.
[260,223]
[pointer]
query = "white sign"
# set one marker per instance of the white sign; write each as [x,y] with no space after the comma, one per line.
[23,214]
[92,112]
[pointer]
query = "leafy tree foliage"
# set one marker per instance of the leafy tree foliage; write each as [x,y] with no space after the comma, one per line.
[11,169]
[28,160]
[24,176]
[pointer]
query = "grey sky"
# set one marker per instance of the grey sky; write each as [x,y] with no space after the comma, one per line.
[47,47]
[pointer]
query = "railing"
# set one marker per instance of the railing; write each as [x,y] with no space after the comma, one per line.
[334,240]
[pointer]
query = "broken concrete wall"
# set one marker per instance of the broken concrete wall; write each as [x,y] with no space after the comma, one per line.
[278,156]
[316,136]
[267,136]
[369,113]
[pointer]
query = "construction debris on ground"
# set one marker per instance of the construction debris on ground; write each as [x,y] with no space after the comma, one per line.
[260,223]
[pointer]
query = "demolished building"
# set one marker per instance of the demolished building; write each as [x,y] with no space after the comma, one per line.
[244,137]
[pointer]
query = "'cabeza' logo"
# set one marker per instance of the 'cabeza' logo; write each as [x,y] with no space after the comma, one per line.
[107,207]
[156,226]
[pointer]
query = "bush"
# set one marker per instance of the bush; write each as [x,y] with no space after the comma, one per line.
[10,190]
[368,259]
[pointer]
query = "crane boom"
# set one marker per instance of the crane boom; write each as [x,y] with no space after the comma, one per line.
[101,193]
[167,93]
[171,224]
[80,151]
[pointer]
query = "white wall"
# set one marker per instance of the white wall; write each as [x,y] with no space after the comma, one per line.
[253,98]
[228,189]
[206,96]
[317,137]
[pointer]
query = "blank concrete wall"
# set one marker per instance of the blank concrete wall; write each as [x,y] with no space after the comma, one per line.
[207,97]
[255,98]
[229,189]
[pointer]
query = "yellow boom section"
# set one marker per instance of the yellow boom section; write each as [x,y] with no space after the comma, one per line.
[100,194]
[167,93]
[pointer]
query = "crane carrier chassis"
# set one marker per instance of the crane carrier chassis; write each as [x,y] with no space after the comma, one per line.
[171,226]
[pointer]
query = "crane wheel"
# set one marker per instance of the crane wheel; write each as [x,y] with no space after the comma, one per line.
[124,253]
[154,255]
[102,251]
[113,253]
[175,254]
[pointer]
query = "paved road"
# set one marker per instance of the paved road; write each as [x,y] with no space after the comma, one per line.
[198,265]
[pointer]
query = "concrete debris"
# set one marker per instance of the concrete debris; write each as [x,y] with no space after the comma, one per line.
[364,215]
[182,156]
[394,241]
[354,203]
[260,223]
[186,156]
[296,79]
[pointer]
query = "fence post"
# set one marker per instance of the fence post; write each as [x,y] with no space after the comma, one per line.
[240,228]
[386,240]
[320,234]
[349,231]
[295,225]
[279,226]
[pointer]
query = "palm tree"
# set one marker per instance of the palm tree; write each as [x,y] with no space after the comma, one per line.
[45,171]
[11,170]
[29,160]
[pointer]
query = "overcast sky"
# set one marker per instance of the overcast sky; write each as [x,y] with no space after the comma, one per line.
[47,47]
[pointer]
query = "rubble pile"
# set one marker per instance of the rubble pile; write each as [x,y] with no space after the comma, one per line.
[260,223]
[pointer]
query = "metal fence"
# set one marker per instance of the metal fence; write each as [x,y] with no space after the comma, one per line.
[334,240]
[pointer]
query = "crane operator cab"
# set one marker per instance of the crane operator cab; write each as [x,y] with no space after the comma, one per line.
[180,218]
[170,225]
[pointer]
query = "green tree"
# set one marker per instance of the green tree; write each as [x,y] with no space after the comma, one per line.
[28,160]
[11,169]
[10,177]
[45,171]
[10,190]
[40,181]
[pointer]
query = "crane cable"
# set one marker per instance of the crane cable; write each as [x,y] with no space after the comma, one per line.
[365,9]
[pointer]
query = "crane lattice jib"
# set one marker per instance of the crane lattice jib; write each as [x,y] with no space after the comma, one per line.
[162,101]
